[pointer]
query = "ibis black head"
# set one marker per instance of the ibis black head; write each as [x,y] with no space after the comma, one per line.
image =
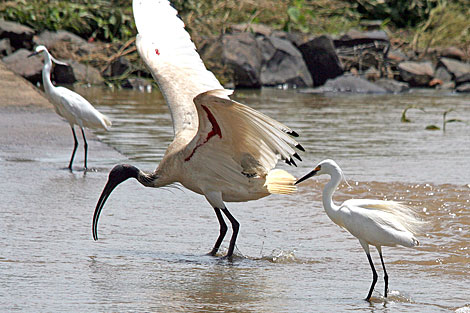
[117,175]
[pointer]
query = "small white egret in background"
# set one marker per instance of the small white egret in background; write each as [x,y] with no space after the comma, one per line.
[70,105]
[374,222]
[222,149]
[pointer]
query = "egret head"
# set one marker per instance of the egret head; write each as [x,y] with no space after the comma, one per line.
[117,175]
[324,167]
[42,48]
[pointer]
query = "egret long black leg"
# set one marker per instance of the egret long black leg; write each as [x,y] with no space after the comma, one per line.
[235,227]
[385,273]
[86,147]
[374,276]
[74,148]
[223,231]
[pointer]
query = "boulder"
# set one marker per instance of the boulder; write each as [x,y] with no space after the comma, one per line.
[282,63]
[465,78]
[256,29]
[20,36]
[29,68]
[354,38]
[5,47]
[347,83]
[442,73]
[50,39]
[63,74]
[242,53]
[137,83]
[321,59]
[86,73]
[452,53]
[464,88]
[454,67]
[392,86]
[118,67]
[417,74]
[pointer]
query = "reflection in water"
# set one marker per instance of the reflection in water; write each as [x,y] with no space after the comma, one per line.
[150,256]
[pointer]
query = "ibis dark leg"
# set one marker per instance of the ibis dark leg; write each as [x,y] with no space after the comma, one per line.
[385,274]
[223,231]
[374,276]
[74,148]
[86,147]
[235,227]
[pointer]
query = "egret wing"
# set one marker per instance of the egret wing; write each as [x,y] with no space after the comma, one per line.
[167,50]
[76,108]
[235,138]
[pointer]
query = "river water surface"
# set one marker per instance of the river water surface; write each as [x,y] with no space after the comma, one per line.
[290,257]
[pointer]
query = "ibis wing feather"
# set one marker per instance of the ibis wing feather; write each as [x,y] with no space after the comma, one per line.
[234,135]
[167,50]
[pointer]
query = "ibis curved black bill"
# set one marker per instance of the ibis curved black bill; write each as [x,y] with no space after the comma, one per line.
[311,174]
[117,175]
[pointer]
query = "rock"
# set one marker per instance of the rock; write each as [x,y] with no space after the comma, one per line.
[86,73]
[346,83]
[464,88]
[354,38]
[295,38]
[29,68]
[396,55]
[392,86]
[63,74]
[372,74]
[20,36]
[417,74]
[442,73]
[256,29]
[465,78]
[137,83]
[118,67]
[454,67]
[5,47]
[282,64]
[49,39]
[453,53]
[242,53]
[321,59]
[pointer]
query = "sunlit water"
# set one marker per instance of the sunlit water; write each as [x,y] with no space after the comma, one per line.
[290,257]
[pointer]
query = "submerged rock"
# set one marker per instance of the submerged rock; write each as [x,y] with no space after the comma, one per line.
[393,86]
[347,83]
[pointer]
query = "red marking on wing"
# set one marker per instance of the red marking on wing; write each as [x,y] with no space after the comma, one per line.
[214,131]
[157,52]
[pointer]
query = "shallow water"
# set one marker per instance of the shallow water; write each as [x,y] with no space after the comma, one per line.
[290,257]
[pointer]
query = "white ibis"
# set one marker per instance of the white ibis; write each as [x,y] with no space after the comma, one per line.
[222,149]
[374,222]
[70,105]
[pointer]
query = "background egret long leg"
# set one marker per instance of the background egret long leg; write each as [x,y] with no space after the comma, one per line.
[75,146]
[374,276]
[385,271]
[85,147]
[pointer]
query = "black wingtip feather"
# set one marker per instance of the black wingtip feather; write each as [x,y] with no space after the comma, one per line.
[288,162]
[293,162]
[293,133]
[297,157]
[299,146]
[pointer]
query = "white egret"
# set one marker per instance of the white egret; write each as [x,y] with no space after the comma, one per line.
[374,222]
[70,105]
[222,149]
